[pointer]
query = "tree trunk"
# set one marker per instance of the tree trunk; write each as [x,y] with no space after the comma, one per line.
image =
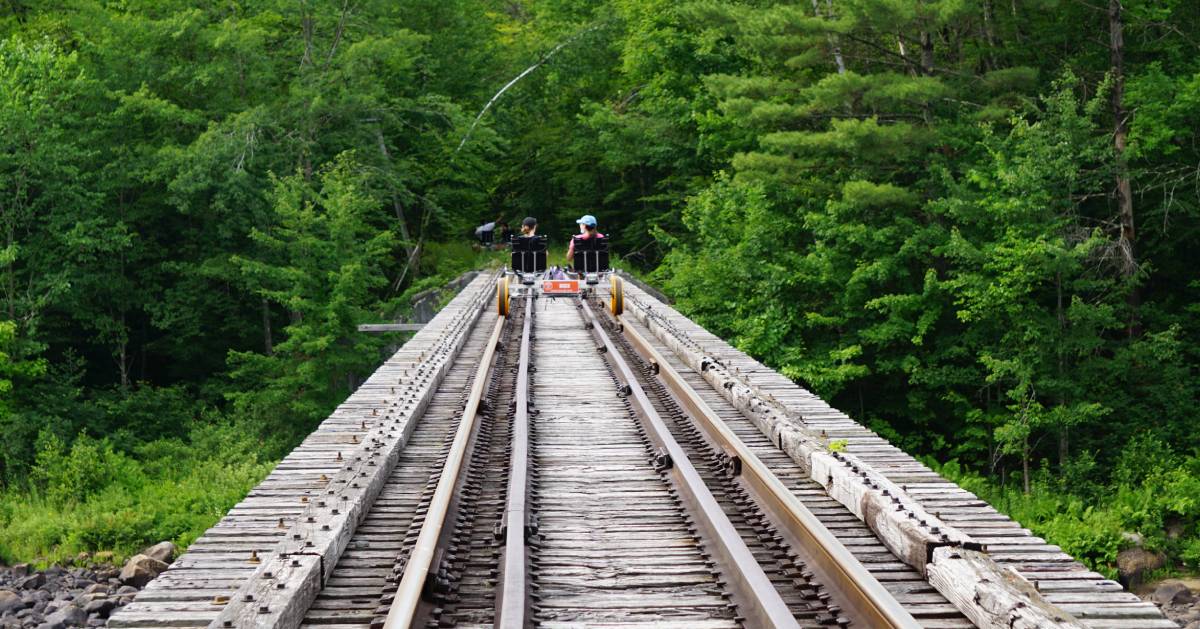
[1016,13]
[307,23]
[397,207]
[141,354]
[123,349]
[989,34]
[123,354]
[927,70]
[10,276]
[268,345]
[1025,464]
[1121,117]
[908,64]
[1064,442]
[926,53]
[1064,430]
[834,43]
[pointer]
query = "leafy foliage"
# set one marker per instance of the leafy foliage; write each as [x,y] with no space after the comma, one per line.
[322,263]
[916,209]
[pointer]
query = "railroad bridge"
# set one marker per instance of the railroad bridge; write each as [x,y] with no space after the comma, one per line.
[563,466]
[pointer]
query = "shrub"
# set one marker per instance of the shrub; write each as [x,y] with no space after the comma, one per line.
[1190,553]
[89,497]
[1150,488]
[89,467]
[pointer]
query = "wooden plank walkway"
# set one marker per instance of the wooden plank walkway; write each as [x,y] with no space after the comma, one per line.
[615,545]
[1095,600]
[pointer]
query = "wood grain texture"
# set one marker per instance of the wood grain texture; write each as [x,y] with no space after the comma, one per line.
[993,597]
[791,417]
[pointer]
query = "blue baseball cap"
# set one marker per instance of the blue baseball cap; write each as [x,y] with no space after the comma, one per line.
[588,220]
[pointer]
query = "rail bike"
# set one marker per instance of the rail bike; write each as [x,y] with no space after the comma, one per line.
[528,273]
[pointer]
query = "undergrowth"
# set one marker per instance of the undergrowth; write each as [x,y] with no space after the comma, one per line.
[120,489]
[1152,494]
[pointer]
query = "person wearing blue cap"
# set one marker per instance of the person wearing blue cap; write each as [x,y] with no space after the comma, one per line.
[587,229]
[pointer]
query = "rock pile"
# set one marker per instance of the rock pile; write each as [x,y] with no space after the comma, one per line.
[1178,602]
[58,597]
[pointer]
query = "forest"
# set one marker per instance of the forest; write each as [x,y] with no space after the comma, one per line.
[970,224]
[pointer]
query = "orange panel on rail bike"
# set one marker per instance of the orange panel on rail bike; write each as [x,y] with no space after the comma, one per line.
[561,287]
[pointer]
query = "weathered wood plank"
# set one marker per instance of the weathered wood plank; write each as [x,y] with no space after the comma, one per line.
[390,327]
[992,597]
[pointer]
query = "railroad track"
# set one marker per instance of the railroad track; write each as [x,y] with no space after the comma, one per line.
[558,467]
[614,523]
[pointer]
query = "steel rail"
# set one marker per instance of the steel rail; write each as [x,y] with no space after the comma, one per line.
[408,594]
[758,600]
[512,600]
[837,568]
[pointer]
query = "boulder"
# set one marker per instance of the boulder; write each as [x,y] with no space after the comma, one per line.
[83,599]
[96,588]
[20,570]
[162,551]
[10,601]
[107,575]
[1172,593]
[99,607]
[1132,563]
[33,581]
[140,570]
[68,616]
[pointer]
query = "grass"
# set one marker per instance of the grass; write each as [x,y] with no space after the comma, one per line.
[1091,521]
[90,498]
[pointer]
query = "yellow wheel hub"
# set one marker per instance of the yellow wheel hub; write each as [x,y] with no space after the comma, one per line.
[502,296]
[616,300]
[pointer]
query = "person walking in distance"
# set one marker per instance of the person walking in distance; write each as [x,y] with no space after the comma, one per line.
[485,233]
